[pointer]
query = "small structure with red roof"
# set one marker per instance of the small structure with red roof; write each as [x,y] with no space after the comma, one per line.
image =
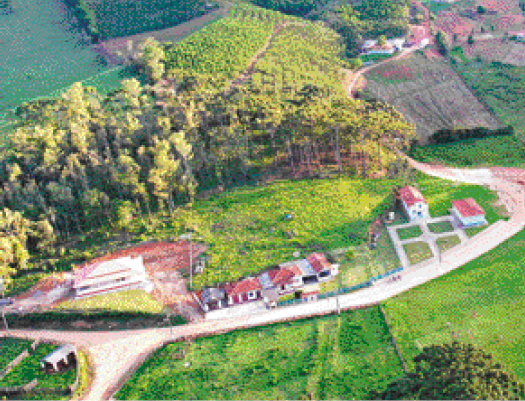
[245,290]
[468,212]
[414,203]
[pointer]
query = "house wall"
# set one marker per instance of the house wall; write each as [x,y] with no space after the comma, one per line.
[469,221]
[415,208]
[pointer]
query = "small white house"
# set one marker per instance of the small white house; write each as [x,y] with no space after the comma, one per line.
[414,204]
[469,213]
[114,275]
[371,47]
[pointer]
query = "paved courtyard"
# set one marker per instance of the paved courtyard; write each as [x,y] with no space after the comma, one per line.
[427,236]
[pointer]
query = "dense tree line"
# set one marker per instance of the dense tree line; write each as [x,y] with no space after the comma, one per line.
[84,161]
[455,371]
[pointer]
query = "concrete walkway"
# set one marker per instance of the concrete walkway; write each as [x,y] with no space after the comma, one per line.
[116,355]
[427,237]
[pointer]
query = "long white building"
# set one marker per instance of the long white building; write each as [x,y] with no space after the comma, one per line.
[114,275]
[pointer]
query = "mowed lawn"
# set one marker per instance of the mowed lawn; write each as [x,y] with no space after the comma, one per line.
[484,302]
[123,301]
[329,357]
[247,230]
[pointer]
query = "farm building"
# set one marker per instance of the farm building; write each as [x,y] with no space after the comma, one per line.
[468,212]
[371,46]
[313,269]
[413,203]
[110,276]
[242,291]
[60,359]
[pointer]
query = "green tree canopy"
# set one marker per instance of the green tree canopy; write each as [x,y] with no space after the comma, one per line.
[455,371]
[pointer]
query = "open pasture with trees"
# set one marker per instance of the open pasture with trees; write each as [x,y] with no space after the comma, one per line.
[428,93]
[502,88]
[332,357]
[481,303]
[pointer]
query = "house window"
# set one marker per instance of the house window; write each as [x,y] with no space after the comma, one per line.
[252,295]
[230,300]
[324,273]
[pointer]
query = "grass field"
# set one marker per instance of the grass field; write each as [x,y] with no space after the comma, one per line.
[29,369]
[502,87]
[485,297]
[445,243]
[375,57]
[330,357]
[123,301]
[409,232]
[10,348]
[441,227]
[417,252]
[498,151]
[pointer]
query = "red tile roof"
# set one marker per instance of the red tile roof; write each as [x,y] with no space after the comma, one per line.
[294,269]
[410,195]
[468,207]
[243,286]
[281,276]
[318,261]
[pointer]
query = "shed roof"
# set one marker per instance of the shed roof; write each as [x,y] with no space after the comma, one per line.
[410,195]
[59,354]
[212,294]
[280,276]
[468,207]
[318,261]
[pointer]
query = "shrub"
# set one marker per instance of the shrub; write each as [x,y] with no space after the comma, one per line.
[449,136]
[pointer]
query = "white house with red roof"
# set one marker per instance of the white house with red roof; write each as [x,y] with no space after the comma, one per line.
[468,212]
[242,291]
[113,275]
[314,268]
[414,203]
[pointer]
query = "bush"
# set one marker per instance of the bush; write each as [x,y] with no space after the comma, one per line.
[449,136]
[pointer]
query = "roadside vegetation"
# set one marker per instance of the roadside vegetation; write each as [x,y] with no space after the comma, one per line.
[333,357]
[409,232]
[479,303]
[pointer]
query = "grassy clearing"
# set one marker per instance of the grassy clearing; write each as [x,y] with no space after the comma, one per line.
[445,243]
[417,252]
[10,348]
[409,232]
[440,227]
[29,369]
[500,151]
[123,301]
[485,297]
[474,230]
[24,283]
[330,357]
[375,57]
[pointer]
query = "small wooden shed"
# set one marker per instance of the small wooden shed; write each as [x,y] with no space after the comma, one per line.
[60,359]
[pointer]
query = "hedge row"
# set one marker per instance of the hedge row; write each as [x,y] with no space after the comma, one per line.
[454,135]
[86,17]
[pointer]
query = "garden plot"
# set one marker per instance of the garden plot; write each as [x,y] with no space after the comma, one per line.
[429,94]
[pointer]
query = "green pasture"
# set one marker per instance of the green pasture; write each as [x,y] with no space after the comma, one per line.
[409,232]
[482,302]
[30,369]
[123,301]
[447,242]
[440,227]
[417,252]
[474,230]
[502,87]
[10,348]
[332,357]
[497,151]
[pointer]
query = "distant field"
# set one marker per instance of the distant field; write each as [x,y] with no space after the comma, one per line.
[329,357]
[484,302]
[502,86]
[429,94]
[501,151]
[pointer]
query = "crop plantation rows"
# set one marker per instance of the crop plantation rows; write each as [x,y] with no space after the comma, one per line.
[429,94]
